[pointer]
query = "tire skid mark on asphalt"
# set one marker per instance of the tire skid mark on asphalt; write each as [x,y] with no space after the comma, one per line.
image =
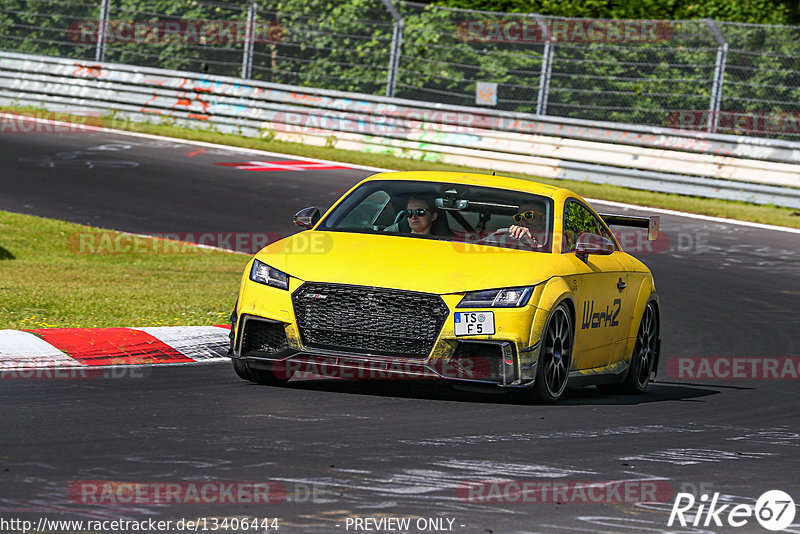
[770,436]
[525,436]
[488,468]
[695,456]
[432,486]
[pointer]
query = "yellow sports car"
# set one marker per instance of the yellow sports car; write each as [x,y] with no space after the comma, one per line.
[465,277]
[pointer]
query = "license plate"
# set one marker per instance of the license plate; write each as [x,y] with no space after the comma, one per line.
[473,323]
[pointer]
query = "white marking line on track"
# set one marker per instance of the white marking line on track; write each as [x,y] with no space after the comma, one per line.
[228,147]
[695,216]
[20,349]
[379,169]
[195,342]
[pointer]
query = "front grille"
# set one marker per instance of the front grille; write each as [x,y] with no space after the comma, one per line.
[368,320]
[263,336]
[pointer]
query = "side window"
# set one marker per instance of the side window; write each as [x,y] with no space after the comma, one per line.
[579,220]
[366,212]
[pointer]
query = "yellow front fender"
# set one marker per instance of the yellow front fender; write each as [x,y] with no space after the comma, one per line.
[551,293]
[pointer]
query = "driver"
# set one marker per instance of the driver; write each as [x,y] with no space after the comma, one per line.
[529,222]
[420,213]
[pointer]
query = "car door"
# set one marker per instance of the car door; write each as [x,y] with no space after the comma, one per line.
[600,301]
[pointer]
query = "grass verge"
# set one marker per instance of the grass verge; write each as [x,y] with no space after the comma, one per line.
[48,279]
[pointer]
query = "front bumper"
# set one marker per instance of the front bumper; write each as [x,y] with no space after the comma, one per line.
[274,346]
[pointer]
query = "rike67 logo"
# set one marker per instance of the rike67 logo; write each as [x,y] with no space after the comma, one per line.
[774,510]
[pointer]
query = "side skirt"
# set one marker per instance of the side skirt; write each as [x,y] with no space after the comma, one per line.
[610,374]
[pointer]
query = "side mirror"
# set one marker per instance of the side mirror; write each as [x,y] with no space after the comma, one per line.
[593,244]
[307,217]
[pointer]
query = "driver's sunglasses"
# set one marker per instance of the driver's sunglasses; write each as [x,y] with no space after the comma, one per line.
[528,215]
[419,212]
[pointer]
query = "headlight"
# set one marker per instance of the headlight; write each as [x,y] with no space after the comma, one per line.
[512,297]
[264,274]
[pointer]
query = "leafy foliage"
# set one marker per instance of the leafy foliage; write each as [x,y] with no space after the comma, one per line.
[751,11]
[348,46]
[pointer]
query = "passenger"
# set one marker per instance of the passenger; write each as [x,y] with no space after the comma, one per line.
[530,222]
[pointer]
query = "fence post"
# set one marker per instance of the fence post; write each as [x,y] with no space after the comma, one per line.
[547,67]
[102,29]
[249,39]
[397,43]
[719,75]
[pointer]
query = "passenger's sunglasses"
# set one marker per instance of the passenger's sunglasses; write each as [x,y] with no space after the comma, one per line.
[528,215]
[419,212]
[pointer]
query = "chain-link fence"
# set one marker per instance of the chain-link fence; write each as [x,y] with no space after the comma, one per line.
[698,75]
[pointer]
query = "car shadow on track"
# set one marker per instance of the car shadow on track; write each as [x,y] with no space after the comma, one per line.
[482,394]
[658,392]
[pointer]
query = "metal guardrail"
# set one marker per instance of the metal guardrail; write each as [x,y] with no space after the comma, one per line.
[762,171]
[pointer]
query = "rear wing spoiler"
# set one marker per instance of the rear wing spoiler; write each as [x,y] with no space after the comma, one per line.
[651,223]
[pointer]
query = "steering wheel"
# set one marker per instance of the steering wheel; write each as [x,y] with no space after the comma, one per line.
[504,237]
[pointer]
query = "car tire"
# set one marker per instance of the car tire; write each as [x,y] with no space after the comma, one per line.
[644,353]
[242,370]
[269,378]
[555,356]
[259,376]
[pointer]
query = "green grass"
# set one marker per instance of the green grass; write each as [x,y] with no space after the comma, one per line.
[48,280]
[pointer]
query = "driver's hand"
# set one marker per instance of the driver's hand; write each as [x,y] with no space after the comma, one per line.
[519,232]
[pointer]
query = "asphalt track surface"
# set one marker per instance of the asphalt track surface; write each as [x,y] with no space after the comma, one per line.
[400,450]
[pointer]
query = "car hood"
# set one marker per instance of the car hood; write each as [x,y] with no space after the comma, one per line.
[414,264]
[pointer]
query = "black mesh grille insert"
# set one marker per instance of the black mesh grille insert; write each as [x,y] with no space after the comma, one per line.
[368,320]
[477,361]
[261,336]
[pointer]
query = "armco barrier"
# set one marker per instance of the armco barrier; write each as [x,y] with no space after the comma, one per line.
[763,171]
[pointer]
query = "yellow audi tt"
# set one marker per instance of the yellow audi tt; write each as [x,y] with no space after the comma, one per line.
[466,277]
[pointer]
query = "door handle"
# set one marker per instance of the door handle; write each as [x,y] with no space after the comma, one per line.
[621,285]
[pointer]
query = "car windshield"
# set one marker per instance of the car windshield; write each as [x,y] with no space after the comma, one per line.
[444,211]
